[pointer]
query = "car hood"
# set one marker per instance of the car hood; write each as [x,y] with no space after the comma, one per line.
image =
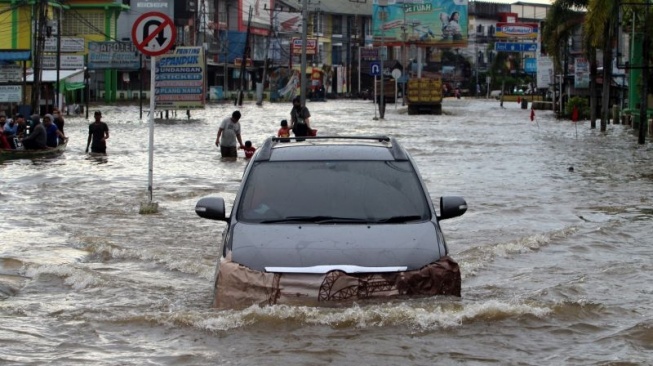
[409,245]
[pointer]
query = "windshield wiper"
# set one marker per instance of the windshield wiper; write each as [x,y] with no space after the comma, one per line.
[317,220]
[398,219]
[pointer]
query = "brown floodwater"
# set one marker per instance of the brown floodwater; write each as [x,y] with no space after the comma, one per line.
[556,264]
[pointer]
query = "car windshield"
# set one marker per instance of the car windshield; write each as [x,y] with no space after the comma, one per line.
[333,192]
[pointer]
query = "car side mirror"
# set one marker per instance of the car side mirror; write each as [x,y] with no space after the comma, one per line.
[211,208]
[452,206]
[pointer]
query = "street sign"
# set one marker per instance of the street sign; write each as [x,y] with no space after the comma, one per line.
[113,55]
[375,68]
[154,33]
[66,62]
[10,73]
[11,93]
[530,65]
[515,47]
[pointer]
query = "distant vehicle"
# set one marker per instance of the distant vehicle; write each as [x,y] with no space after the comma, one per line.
[496,94]
[332,219]
[425,95]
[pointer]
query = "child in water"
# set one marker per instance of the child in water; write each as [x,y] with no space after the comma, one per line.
[284,131]
[249,149]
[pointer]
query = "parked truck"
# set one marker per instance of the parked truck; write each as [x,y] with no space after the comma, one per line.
[424,95]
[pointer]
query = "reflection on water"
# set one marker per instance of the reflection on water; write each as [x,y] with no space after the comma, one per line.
[97,158]
[550,259]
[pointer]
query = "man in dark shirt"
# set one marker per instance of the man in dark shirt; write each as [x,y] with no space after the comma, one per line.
[98,133]
[58,120]
[299,119]
[37,138]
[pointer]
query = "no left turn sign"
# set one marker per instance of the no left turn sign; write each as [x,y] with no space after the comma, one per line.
[154,33]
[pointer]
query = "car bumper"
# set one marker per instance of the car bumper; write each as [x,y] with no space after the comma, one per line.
[238,286]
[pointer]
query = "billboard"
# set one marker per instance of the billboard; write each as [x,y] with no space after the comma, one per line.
[113,55]
[442,23]
[581,73]
[179,79]
[517,30]
[544,71]
[311,46]
[260,12]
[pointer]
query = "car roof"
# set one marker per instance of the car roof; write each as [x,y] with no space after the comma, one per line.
[332,148]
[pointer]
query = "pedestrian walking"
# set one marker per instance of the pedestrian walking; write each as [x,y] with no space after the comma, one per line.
[229,139]
[98,134]
[300,118]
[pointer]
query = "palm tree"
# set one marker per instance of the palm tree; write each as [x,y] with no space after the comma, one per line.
[600,27]
[638,10]
[562,19]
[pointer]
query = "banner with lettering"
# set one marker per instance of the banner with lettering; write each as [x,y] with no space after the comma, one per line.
[180,79]
[442,23]
[113,55]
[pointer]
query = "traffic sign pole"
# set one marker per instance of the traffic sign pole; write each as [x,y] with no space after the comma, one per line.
[154,34]
[150,163]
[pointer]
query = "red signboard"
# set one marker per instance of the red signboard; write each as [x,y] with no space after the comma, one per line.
[311,46]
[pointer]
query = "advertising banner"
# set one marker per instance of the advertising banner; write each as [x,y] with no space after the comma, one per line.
[581,73]
[530,65]
[68,44]
[544,72]
[10,73]
[311,46]
[66,62]
[11,93]
[517,30]
[260,13]
[113,55]
[442,23]
[180,79]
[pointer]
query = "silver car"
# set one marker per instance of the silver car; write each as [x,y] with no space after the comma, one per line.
[328,220]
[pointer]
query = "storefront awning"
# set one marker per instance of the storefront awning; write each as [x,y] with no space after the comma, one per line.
[50,76]
[14,55]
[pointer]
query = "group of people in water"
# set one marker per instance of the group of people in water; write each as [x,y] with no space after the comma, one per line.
[229,139]
[18,133]
[48,132]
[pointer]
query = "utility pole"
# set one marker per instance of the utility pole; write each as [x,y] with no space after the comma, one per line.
[241,93]
[383,4]
[259,94]
[37,51]
[304,40]
[59,88]
[643,104]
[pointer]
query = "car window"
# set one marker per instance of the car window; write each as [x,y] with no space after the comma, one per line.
[363,190]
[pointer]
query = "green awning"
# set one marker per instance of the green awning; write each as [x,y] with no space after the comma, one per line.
[70,86]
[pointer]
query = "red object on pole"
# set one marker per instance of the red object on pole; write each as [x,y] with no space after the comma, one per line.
[574,114]
[532,114]
[518,100]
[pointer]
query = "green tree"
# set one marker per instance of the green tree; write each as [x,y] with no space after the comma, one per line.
[600,29]
[563,18]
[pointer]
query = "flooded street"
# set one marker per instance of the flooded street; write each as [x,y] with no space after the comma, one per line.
[556,264]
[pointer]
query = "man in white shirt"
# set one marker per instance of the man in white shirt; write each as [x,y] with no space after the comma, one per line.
[229,139]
